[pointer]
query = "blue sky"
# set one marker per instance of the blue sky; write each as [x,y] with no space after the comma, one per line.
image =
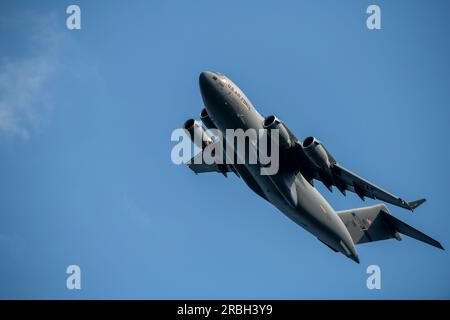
[85,123]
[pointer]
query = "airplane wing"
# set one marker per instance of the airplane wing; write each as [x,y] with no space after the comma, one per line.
[375,223]
[344,179]
[197,165]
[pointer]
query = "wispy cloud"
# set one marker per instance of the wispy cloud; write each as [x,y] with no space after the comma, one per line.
[22,100]
[25,71]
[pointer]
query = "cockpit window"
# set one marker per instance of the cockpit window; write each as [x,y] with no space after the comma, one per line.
[214,78]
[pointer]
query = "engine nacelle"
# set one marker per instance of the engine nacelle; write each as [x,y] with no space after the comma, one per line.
[197,134]
[317,153]
[285,140]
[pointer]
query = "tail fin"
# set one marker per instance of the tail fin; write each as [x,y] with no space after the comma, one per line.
[375,223]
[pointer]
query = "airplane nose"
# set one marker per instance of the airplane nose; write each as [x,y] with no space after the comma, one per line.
[205,79]
[207,85]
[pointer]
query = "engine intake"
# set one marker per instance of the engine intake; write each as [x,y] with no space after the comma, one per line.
[272,122]
[197,134]
[317,153]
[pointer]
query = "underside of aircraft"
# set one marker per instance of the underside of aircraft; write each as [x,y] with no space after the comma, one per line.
[302,163]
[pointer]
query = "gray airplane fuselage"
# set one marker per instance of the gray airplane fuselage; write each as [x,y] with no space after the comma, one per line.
[289,191]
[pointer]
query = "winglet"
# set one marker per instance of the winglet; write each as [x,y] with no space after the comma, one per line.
[414,204]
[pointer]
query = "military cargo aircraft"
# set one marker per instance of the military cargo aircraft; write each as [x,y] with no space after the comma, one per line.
[291,189]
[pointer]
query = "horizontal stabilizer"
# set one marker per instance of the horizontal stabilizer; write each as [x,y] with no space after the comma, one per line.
[375,223]
[406,229]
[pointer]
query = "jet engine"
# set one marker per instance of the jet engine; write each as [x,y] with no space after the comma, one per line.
[317,153]
[197,134]
[285,139]
[323,161]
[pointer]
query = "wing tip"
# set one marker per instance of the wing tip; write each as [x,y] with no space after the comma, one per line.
[416,203]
